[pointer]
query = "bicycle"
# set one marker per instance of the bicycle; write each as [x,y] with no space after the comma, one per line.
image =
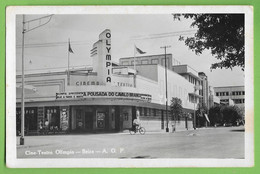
[139,129]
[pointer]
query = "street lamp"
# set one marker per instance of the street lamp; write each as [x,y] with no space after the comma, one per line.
[22,96]
[166,90]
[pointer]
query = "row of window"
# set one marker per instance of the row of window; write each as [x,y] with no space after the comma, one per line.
[192,80]
[150,112]
[231,93]
[236,101]
[224,100]
[238,93]
[125,116]
[146,61]
[52,114]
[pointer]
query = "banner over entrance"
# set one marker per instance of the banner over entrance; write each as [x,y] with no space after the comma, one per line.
[103,94]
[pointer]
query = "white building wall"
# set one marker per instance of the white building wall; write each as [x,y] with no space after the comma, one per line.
[178,86]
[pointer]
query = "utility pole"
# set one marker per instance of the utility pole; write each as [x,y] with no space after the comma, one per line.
[196,87]
[23,38]
[194,118]
[22,102]
[166,90]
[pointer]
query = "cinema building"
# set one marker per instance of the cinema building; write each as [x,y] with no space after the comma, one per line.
[105,97]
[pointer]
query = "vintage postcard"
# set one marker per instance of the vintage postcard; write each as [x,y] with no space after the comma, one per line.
[129,86]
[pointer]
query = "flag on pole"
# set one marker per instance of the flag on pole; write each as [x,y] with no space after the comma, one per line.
[70,49]
[139,50]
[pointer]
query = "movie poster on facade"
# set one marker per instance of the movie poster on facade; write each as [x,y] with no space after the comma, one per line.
[129,86]
[64,120]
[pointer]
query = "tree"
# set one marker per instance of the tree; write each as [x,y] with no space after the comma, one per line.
[215,115]
[225,115]
[222,34]
[231,114]
[201,110]
[176,108]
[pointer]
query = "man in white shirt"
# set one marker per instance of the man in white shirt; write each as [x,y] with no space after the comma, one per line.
[136,121]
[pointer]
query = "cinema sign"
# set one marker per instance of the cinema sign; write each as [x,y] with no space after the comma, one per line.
[108,62]
[103,94]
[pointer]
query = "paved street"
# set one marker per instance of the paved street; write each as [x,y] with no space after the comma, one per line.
[227,142]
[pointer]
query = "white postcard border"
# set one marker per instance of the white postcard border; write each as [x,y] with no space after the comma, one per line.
[11,158]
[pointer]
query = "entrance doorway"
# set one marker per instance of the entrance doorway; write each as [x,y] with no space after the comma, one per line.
[88,121]
[82,119]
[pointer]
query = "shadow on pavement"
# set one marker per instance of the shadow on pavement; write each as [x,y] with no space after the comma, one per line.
[139,157]
[238,130]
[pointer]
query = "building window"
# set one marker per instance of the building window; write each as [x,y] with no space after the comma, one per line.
[144,62]
[141,111]
[227,94]
[145,111]
[125,63]
[53,116]
[154,112]
[243,92]
[155,61]
[192,99]
[149,112]
[31,120]
[167,61]
[113,110]
[125,116]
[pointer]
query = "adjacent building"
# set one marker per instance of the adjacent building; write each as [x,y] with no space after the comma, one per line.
[204,91]
[231,95]
[213,99]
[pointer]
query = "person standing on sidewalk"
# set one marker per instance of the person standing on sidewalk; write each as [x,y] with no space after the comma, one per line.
[46,125]
[41,127]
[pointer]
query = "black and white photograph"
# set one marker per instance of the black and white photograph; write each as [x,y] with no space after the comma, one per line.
[129,86]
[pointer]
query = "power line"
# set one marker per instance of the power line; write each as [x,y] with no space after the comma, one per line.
[175,32]
[164,36]
[52,44]
[168,34]
[151,36]
[55,68]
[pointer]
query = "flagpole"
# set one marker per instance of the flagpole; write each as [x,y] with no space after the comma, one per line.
[68,78]
[134,58]
[134,68]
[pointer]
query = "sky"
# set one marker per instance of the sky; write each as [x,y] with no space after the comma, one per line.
[46,48]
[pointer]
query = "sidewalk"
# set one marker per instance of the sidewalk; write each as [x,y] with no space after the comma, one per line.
[36,141]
